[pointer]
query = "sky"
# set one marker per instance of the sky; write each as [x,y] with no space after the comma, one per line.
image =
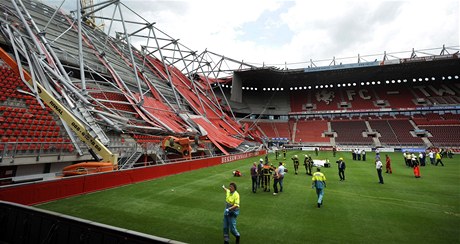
[274,32]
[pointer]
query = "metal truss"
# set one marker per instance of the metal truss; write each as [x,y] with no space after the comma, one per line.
[385,56]
[77,61]
[134,30]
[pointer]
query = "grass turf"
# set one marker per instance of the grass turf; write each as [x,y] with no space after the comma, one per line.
[189,207]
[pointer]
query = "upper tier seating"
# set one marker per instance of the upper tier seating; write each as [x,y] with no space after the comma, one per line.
[397,96]
[403,95]
[437,93]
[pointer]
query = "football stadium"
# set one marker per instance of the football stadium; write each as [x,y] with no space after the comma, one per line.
[113,131]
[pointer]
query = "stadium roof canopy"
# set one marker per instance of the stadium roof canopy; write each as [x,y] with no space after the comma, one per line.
[411,68]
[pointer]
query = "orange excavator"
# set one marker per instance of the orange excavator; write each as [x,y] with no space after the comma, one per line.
[181,146]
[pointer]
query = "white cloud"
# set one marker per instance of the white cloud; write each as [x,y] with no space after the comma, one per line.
[320,29]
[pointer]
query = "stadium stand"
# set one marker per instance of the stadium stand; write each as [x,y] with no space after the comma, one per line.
[267,129]
[350,132]
[323,99]
[311,131]
[268,103]
[387,135]
[396,96]
[402,129]
[451,116]
[443,135]
[25,127]
[129,102]
[365,97]
[443,129]
[439,93]
[275,129]
[283,129]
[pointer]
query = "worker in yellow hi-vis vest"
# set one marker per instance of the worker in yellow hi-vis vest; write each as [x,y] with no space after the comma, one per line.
[319,183]
[232,210]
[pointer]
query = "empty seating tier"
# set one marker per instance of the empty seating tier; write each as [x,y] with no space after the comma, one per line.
[387,135]
[25,126]
[351,132]
[311,131]
[443,135]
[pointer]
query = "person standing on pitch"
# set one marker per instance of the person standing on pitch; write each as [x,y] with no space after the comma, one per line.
[378,166]
[438,159]
[431,156]
[266,172]
[416,169]
[305,163]
[421,158]
[341,166]
[308,162]
[260,179]
[254,174]
[278,178]
[310,165]
[319,183]
[232,210]
[295,160]
[408,159]
[388,164]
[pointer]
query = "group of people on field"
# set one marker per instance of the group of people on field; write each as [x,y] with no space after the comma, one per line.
[307,163]
[358,154]
[446,153]
[415,161]
[277,153]
[262,173]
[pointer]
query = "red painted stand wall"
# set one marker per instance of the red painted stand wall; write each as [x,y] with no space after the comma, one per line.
[44,191]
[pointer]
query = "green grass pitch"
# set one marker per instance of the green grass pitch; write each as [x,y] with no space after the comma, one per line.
[189,207]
